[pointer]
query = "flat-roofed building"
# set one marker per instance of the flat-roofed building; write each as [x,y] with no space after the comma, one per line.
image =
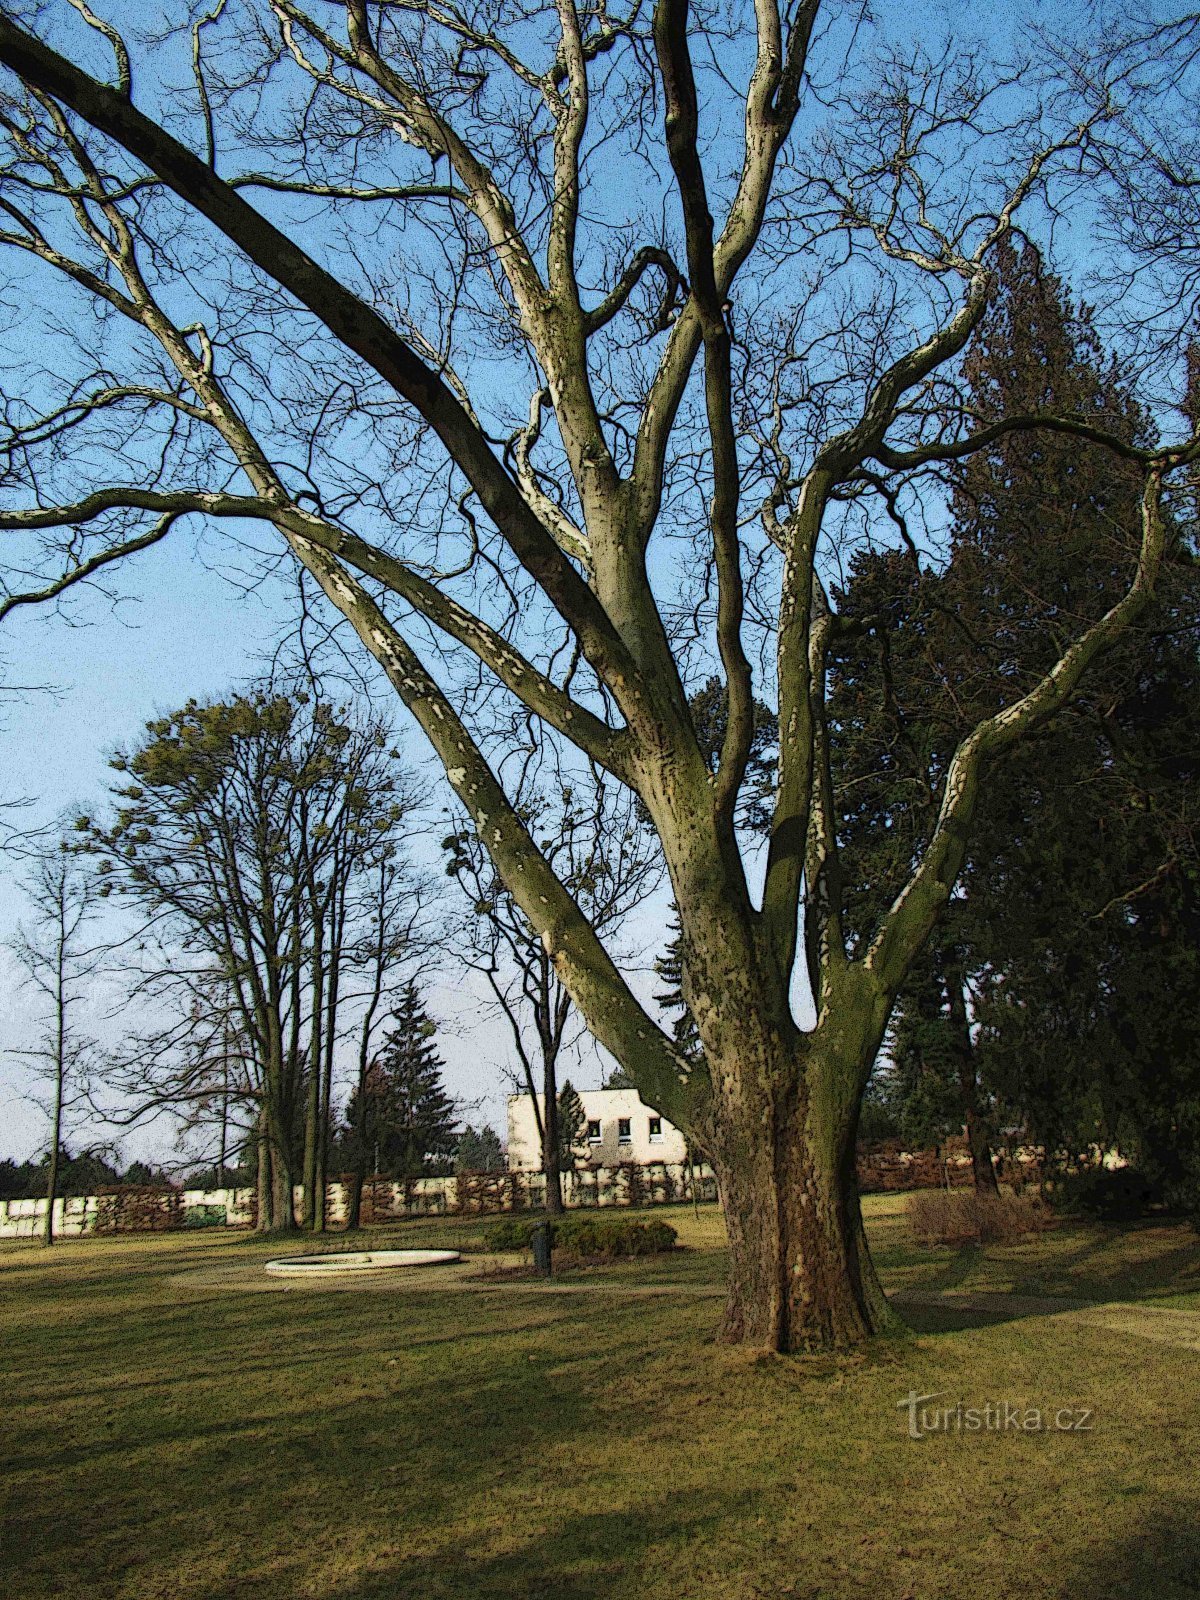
[620,1128]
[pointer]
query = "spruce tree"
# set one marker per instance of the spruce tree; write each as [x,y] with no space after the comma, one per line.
[572,1121]
[404,1122]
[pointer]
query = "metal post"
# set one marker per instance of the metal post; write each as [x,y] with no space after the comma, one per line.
[540,1241]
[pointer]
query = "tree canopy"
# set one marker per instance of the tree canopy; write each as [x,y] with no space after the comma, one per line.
[261,839]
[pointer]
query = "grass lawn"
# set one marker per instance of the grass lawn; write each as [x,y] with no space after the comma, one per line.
[175,1424]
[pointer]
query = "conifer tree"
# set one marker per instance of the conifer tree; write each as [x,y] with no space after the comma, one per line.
[572,1120]
[403,1123]
[1009,1015]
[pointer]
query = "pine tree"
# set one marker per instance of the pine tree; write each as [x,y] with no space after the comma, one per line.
[479,1151]
[669,968]
[572,1120]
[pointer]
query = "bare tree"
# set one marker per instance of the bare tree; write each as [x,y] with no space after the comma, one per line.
[594,837]
[61,961]
[555,447]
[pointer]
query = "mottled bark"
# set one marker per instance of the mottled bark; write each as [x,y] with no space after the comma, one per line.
[800,1276]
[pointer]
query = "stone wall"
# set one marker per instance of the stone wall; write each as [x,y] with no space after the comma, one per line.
[129,1209]
[136,1210]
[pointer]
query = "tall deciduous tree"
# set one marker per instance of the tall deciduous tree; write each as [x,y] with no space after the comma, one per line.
[706,369]
[261,837]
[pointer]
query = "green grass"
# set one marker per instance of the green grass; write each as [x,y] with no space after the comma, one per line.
[176,1425]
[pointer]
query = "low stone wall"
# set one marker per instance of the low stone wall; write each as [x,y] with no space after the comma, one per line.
[887,1167]
[138,1210]
[129,1209]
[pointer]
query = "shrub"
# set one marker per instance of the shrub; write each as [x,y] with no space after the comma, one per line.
[939,1216]
[513,1233]
[205,1217]
[1121,1195]
[587,1236]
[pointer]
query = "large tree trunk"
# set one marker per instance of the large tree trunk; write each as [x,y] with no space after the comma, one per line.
[283,1209]
[354,1199]
[800,1273]
[312,1120]
[322,1177]
[982,1169]
[263,1223]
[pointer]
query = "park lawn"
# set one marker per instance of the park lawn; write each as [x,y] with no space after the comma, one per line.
[175,1425]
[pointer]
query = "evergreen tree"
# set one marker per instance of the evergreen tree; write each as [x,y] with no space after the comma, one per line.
[479,1151]
[618,1078]
[1012,1012]
[669,968]
[402,1122]
[572,1121]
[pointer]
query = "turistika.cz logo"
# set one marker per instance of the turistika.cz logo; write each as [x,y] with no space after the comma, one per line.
[995,1416]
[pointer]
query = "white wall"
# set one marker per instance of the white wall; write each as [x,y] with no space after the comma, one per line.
[607,1107]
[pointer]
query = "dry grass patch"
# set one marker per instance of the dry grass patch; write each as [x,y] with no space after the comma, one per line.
[960,1216]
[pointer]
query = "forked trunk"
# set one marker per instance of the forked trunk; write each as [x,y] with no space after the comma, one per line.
[800,1272]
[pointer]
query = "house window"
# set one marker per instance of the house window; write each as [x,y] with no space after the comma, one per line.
[624,1131]
[655,1130]
[593,1133]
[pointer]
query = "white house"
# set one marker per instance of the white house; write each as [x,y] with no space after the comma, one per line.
[620,1129]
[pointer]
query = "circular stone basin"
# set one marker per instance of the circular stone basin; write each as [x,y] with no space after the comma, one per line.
[360,1261]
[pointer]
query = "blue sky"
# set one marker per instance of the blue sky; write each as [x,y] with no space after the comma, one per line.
[185,631]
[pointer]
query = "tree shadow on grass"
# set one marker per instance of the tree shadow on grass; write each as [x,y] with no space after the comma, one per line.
[1113,1263]
[1159,1561]
[611,1550]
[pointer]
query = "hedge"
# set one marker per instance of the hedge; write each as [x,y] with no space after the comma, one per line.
[589,1235]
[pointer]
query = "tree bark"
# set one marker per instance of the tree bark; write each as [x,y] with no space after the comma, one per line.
[354,1200]
[551,1165]
[312,1119]
[263,1222]
[982,1169]
[52,1169]
[283,1209]
[800,1276]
